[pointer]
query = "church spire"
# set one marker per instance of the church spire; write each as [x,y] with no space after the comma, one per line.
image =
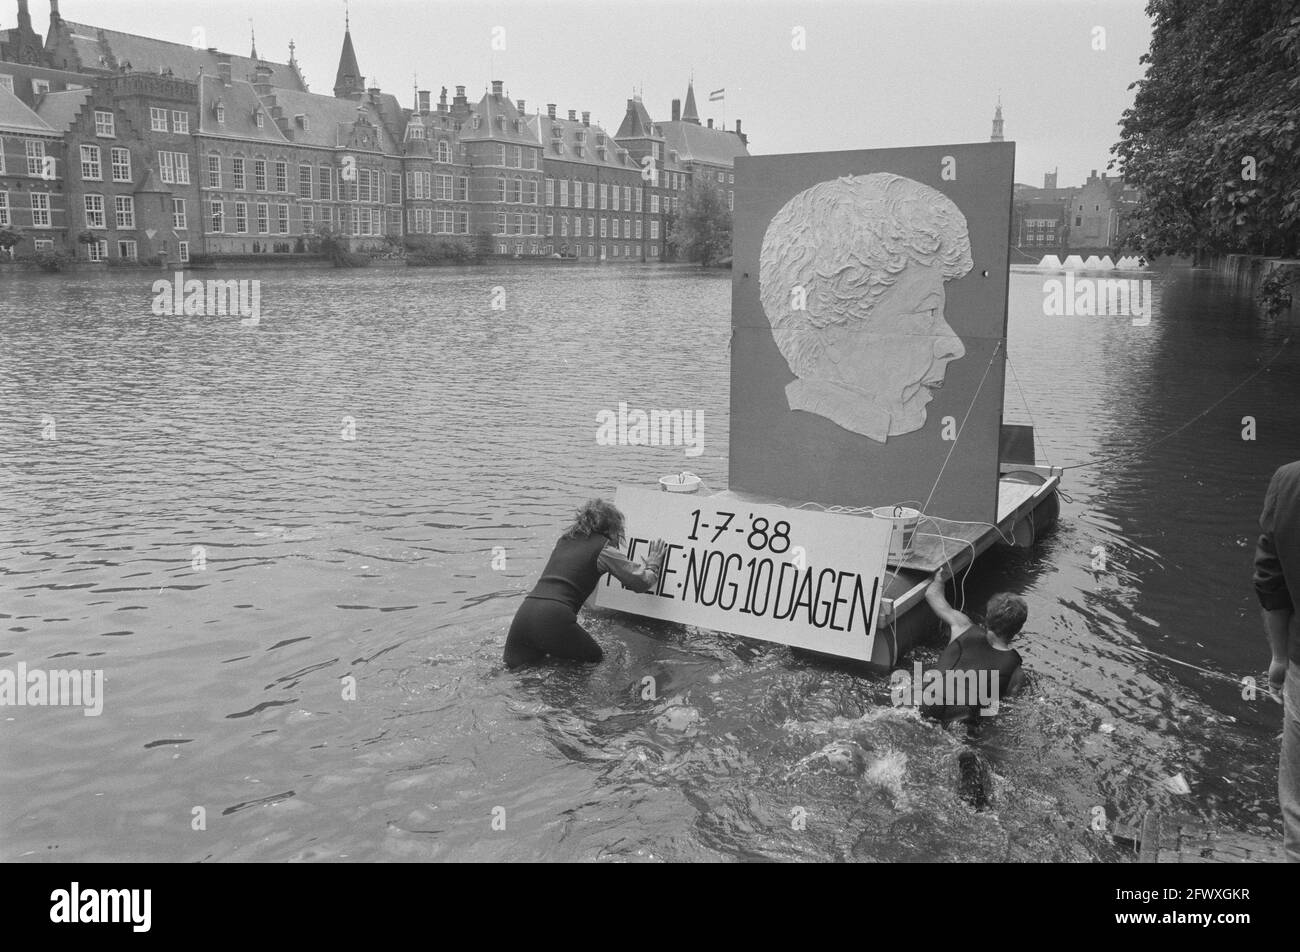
[997,122]
[689,112]
[348,82]
[253,34]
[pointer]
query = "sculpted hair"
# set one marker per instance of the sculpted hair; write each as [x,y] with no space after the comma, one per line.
[1006,614]
[845,242]
[596,517]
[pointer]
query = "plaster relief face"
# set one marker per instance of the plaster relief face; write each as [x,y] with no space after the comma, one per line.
[867,257]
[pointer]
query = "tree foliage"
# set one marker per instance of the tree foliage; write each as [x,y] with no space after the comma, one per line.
[701,230]
[1213,139]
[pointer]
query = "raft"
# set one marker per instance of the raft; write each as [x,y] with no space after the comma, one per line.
[1028,507]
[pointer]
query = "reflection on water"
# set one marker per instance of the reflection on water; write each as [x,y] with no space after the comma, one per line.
[372,559]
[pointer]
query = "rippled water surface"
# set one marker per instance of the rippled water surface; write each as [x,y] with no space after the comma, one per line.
[475,429]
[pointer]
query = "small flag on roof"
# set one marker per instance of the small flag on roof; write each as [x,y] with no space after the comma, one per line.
[718,94]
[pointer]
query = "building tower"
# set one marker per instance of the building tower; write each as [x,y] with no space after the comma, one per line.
[689,112]
[348,83]
[997,123]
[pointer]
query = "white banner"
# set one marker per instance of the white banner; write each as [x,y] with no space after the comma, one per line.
[797,577]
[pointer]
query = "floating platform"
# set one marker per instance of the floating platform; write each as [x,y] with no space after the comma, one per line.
[1181,838]
[1028,506]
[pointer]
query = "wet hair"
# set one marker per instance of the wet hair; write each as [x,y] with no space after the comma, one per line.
[1006,615]
[596,517]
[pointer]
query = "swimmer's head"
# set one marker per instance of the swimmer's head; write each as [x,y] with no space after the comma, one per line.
[597,517]
[1006,615]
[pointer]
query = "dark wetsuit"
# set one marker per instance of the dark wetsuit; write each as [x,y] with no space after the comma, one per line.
[547,621]
[971,651]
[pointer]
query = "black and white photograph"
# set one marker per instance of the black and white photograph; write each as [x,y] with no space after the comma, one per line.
[663,432]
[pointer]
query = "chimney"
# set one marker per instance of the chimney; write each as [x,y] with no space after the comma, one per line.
[425,96]
[497,85]
[262,79]
[573,115]
[550,110]
[223,68]
[1049,180]
[710,123]
[24,17]
[54,9]
[586,118]
[442,100]
[677,110]
[740,135]
[519,104]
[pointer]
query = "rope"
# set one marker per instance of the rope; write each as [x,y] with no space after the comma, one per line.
[1177,430]
[1038,436]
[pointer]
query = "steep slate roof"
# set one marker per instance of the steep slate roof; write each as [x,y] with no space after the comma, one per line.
[490,108]
[637,123]
[702,144]
[16,117]
[541,126]
[330,120]
[60,109]
[149,55]
[349,73]
[241,102]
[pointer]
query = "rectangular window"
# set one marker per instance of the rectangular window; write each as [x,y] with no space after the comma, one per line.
[591,194]
[636,200]
[4,209]
[281,176]
[121,160]
[564,226]
[462,223]
[591,226]
[654,203]
[304,181]
[97,250]
[462,189]
[214,171]
[604,227]
[91,170]
[638,229]
[324,177]
[217,217]
[577,194]
[442,222]
[124,211]
[530,192]
[259,175]
[166,167]
[308,219]
[614,199]
[126,250]
[654,230]
[104,124]
[180,122]
[627,198]
[44,244]
[550,191]
[263,218]
[282,218]
[178,213]
[501,223]
[95,211]
[627,228]
[183,251]
[615,228]
[564,193]
[175,167]
[241,218]
[40,209]
[604,196]
[550,225]
[237,173]
[442,188]
[157,119]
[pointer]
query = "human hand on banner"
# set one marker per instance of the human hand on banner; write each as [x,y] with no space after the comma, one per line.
[656,556]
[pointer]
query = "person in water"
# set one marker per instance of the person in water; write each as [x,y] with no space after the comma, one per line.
[547,621]
[984,651]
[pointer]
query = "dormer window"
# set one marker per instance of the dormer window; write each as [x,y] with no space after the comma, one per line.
[580,135]
[261,120]
[303,123]
[578,150]
[501,122]
[221,111]
[477,120]
[517,124]
[602,151]
[557,132]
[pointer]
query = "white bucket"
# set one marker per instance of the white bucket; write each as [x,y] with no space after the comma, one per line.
[680,483]
[904,521]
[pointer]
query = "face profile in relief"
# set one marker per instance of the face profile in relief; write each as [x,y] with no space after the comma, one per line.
[851,277]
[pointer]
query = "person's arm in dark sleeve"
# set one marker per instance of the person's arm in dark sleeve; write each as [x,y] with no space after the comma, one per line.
[633,575]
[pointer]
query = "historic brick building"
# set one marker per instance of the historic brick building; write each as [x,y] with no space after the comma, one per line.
[164,150]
